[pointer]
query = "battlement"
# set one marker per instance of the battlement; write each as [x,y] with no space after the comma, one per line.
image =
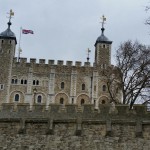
[51,62]
[23,60]
[78,115]
[107,125]
[71,111]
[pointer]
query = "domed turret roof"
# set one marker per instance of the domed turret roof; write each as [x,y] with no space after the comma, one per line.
[102,38]
[8,34]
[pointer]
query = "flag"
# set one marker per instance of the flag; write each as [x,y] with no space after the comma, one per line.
[27,31]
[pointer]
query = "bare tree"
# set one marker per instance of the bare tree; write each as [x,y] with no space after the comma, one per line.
[113,82]
[133,59]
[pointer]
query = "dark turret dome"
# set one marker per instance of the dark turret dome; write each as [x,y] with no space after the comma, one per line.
[102,38]
[8,34]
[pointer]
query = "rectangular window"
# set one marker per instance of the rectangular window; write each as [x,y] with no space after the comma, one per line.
[1,86]
[95,88]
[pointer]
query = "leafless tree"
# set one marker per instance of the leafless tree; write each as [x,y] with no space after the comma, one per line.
[113,82]
[133,59]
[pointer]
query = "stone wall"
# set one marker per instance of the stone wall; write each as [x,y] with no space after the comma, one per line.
[50,77]
[69,127]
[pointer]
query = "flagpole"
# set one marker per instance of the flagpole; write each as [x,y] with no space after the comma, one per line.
[88,50]
[19,48]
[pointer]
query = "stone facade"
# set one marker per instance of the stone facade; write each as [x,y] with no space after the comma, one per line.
[69,127]
[38,82]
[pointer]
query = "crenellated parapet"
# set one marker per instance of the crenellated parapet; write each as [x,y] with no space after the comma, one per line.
[23,60]
[69,63]
[34,61]
[86,114]
[103,112]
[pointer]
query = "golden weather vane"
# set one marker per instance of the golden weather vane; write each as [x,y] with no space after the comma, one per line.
[103,18]
[11,13]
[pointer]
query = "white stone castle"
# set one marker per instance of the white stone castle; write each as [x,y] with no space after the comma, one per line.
[32,82]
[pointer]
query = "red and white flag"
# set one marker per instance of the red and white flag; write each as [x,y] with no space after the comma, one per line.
[27,31]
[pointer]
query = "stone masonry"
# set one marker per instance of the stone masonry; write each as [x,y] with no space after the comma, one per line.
[74,128]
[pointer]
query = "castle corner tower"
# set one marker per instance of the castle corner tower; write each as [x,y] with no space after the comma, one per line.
[7,52]
[103,49]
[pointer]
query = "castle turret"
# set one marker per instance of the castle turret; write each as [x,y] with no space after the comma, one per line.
[103,49]
[7,52]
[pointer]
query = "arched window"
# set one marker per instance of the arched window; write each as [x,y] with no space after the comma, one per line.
[25,81]
[16,98]
[22,81]
[61,101]
[95,88]
[62,85]
[104,88]
[94,102]
[1,86]
[39,99]
[82,101]
[33,82]
[72,100]
[37,82]
[12,81]
[103,102]
[83,86]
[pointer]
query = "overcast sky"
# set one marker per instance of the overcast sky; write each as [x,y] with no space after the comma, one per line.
[64,29]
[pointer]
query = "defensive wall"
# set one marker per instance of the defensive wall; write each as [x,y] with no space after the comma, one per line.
[50,62]
[70,127]
[34,61]
[43,66]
